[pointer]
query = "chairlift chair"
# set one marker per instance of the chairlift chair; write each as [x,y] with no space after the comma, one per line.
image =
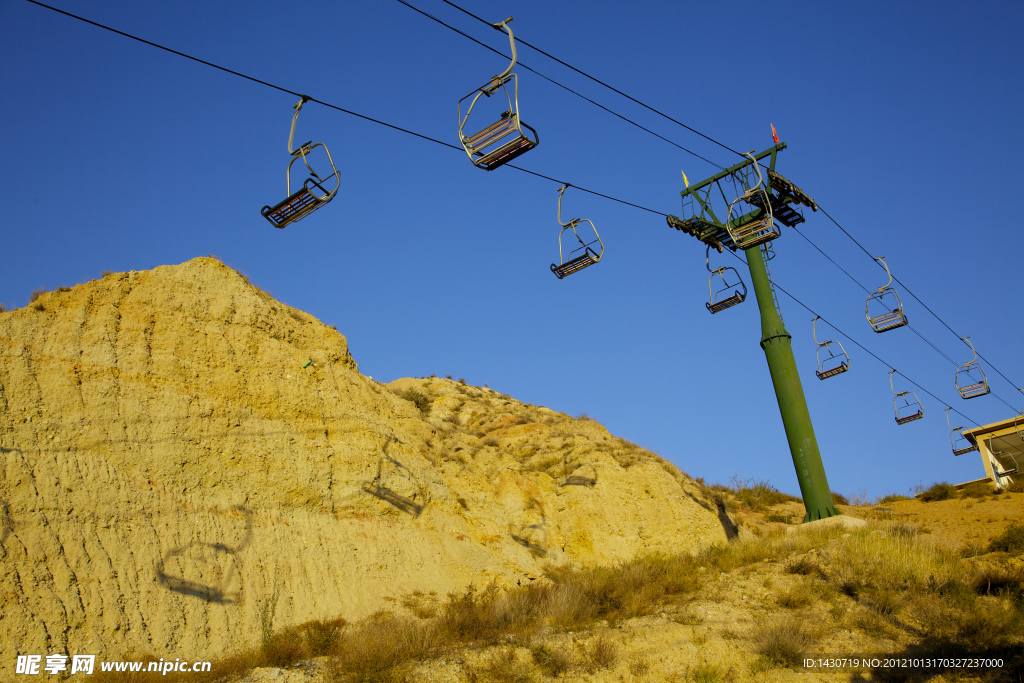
[957,441]
[312,195]
[584,254]
[833,364]
[719,302]
[488,149]
[910,410]
[1002,473]
[970,380]
[760,230]
[888,300]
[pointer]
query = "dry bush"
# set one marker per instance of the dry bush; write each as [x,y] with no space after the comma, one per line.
[706,672]
[422,402]
[942,490]
[892,498]
[803,567]
[840,499]
[603,652]
[490,615]
[999,581]
[639,663]
[380,649]
[423,605]
[322,636]
[978,489]
[782,642]
[758,495]
[553,660]
[1010,541]
[36,293]
[795,597]
[505,666]
[1016,486]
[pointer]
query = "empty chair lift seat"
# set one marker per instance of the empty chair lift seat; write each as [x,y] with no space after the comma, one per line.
[508,151]
[296,207]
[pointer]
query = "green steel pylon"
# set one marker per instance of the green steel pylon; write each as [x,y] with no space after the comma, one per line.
[773,200]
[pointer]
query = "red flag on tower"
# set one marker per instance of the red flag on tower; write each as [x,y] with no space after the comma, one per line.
[775,136]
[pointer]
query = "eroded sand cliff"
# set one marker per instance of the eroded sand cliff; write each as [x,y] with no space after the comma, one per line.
[185,460]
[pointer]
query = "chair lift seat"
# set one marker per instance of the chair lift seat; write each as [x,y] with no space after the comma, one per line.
[961,451]
[588,258]
[754,233]
[910,418]
[296,207]
[975,390]
[508,151]
[838,370]
[725,303]
[888,321]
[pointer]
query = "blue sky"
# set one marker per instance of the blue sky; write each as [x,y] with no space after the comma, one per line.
[903,122]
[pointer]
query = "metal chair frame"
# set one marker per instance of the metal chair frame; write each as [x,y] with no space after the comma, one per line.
[715,304]
[485,148]
[891,319]
[586,255]
[304,201]
[757,231]
[832,355]
[907,404]
[969,448]
[975,388]
[1004,473]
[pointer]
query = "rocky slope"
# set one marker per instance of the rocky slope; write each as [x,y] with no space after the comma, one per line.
[186,462]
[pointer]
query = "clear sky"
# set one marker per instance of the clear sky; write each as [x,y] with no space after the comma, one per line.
[903,121]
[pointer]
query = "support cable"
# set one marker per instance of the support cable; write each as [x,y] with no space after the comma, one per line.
[869,352]
[524,170]
[329,105]
[564,87]
[901,284]
[911,327]
[725,146]
[600,82]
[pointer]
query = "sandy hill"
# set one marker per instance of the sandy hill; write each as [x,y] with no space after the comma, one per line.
[187,462]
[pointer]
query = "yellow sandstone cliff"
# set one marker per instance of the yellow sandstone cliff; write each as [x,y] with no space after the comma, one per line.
[185,461]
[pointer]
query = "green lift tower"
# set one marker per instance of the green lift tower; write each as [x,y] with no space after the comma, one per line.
[751,206]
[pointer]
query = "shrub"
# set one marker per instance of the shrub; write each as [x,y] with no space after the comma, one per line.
[603,652]
[505,666]
[803,566]
[942,490]
[892,498]
[421,401]
[380,648]
[36,293]
[840,499]
[758,494]
[978,489]
[797,596]
[322,636]
[1015,487]
[1010,541]
[552,659]
[782,642]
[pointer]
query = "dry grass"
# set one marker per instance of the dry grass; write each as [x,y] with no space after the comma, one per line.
[781,642]
[602,653]
[553,660]
[1010,541]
